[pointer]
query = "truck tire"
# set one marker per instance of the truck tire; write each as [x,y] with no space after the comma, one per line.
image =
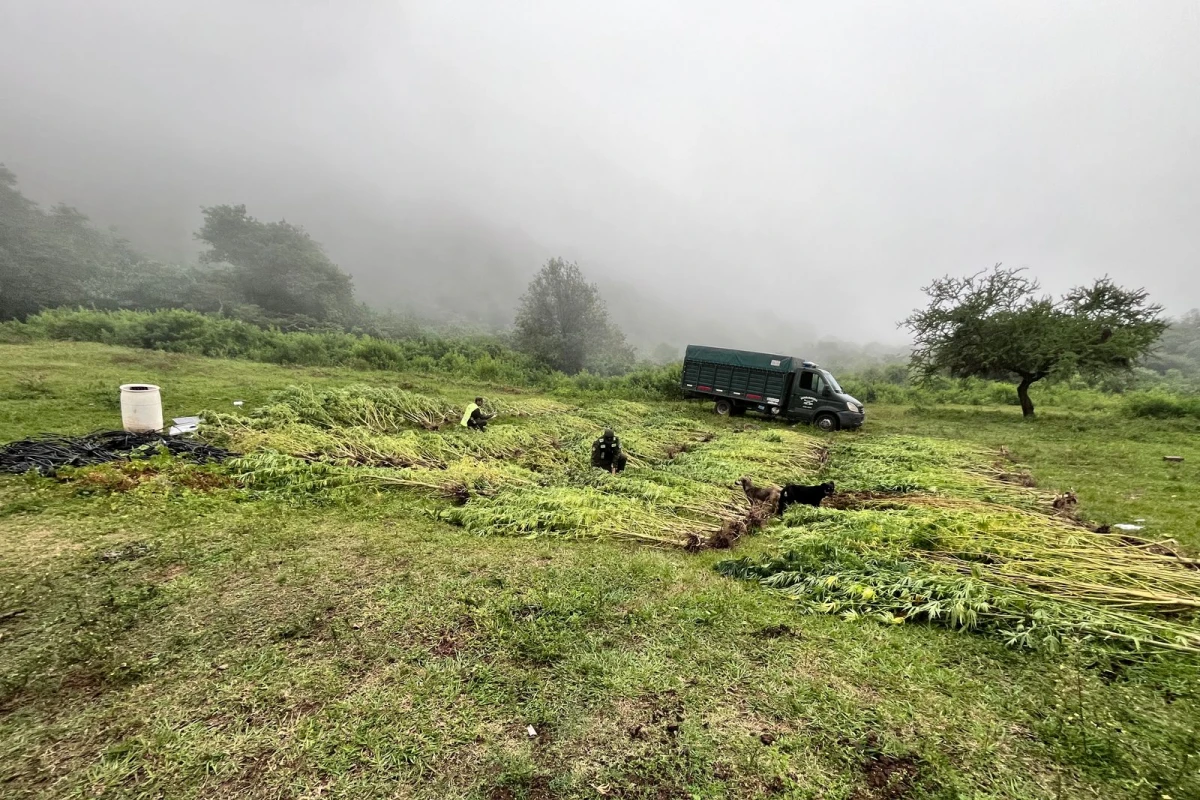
[724,408]
[826,422]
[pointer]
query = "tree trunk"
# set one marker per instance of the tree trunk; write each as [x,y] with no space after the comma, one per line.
[1023,394]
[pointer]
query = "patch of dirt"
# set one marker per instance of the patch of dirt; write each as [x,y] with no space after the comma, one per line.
[658,716]
[775,632]
[454,639]
[537,789]
[545,733]
[666,711]
[888,777]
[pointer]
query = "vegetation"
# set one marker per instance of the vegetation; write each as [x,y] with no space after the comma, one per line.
[1033,582]
[1178,352]
[993,325]
[486,359]
[277,266]
[562,322]
[194,631]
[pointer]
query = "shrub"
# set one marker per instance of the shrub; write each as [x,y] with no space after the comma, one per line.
[1161,405]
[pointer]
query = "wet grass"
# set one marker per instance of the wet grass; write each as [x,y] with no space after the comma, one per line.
[175,637]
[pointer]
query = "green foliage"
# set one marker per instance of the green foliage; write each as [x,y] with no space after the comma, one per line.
[475,357]
[1161,405]
[56,258]
[48,258]
[563,323]
[277,265]
[182,331]
[994,325]
[1032,580]
[529,474]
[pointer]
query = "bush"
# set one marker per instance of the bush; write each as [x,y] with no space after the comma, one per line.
[483,358]
[1161,405]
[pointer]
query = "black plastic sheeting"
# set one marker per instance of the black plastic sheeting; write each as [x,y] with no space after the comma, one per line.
[47,452]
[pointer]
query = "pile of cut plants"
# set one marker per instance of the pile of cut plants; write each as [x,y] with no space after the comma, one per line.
[919,530]
[928,531]
[529,474]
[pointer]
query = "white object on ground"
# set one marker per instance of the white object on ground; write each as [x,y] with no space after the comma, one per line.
[184,425]
[141,408]
[529,729]
[237,402]
[1125,527]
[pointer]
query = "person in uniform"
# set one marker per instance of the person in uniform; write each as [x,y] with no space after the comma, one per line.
[606,453]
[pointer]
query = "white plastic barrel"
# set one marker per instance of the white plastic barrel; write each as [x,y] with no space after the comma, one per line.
[141,408]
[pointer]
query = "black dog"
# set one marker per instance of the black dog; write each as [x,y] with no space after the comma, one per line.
[805,495]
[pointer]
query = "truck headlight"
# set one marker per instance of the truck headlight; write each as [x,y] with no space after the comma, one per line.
[853,407]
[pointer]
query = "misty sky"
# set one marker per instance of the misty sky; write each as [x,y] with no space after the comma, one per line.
[814,161]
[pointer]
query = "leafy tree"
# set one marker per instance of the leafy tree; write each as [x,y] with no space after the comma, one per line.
[277,265]
[52,258]
[995,325]
[563,323]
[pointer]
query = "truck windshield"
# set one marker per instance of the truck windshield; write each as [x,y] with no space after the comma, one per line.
[833,384]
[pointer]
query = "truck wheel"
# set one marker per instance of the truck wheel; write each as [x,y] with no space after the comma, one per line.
[826,422]
[724,408]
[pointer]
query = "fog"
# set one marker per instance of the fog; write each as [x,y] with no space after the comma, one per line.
[756,174]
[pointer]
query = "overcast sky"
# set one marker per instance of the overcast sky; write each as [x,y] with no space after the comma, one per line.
[818,161]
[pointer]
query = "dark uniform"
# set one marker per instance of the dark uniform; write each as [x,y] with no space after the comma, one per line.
[606,453]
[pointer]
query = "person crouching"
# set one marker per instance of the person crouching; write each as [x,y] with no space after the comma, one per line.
[606,453]
[474,418]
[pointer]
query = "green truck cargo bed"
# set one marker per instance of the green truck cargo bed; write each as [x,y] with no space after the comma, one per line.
[741,374]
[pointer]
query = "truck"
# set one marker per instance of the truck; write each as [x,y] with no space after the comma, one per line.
[769,384]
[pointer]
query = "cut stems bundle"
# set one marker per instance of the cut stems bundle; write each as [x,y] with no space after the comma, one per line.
[1034,579]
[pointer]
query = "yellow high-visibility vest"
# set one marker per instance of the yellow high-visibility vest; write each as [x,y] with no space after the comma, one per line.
[471,409]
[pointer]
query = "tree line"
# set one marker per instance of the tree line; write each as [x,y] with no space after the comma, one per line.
[992,325]
[266,273]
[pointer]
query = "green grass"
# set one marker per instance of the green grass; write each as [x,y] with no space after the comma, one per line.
[181,640]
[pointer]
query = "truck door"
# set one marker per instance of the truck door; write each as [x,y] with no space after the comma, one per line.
[806,394]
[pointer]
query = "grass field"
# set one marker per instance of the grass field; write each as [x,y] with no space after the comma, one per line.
[173,631]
